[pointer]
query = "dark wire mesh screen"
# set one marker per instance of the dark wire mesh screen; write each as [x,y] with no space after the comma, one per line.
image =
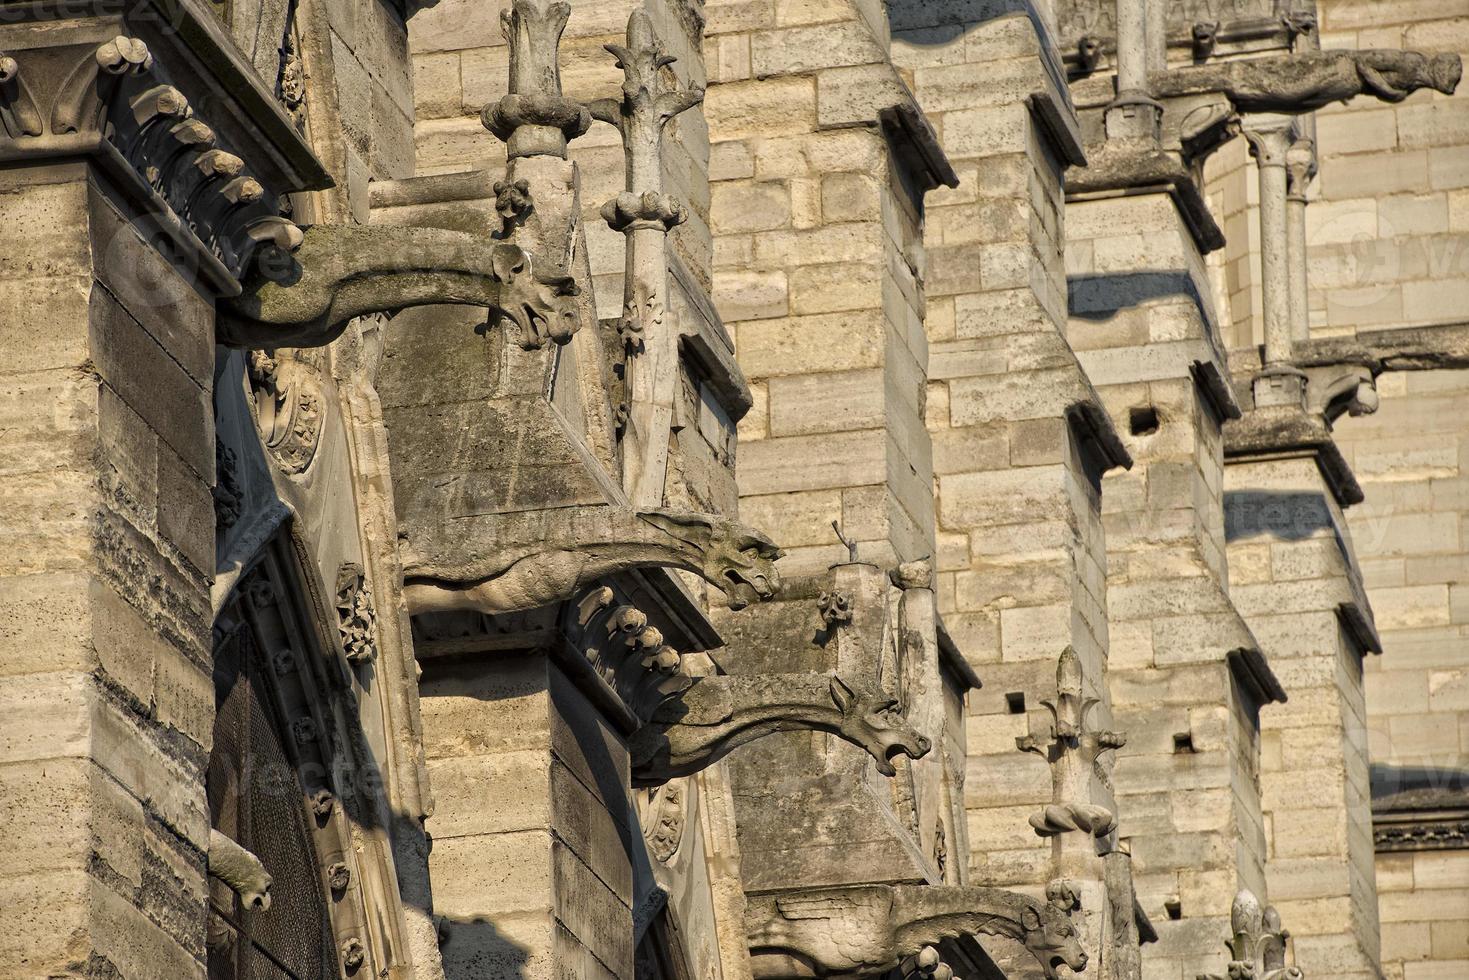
[255,797]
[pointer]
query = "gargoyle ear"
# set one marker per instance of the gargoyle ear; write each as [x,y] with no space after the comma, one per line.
[842,695]
[508,261]
[1030,919]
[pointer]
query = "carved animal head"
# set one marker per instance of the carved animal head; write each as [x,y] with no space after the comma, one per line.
[742,561]
[1051,938]
[536,300]
[1445,70]
[874,722]
[1088,52]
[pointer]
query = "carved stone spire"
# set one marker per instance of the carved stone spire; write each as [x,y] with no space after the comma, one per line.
[1258,944]
[650,98]
[535,119]
[1072,751]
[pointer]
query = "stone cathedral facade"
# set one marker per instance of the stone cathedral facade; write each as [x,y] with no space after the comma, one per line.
[734,489]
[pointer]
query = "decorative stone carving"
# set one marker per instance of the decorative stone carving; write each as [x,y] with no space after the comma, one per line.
[356,620]
[1204,35]
[835,607]
[1308,80]
[574,547]
[867,929]
[1071,751]
[535,118]
[663,818]
[111,101]
[1088,53]
[240,870]
[340,272]
[227,493]
[926,964]
[1257,948]
[625,651]
[288,405]
[512,203]
[645,215]
[718,714]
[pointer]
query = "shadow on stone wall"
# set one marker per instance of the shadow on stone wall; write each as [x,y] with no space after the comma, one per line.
[476,948]
[1290,516]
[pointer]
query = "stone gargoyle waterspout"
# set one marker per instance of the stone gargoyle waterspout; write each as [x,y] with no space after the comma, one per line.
[1308,80]
[864,930]
[303,289]
[562,550]
[240,870]
[716,715]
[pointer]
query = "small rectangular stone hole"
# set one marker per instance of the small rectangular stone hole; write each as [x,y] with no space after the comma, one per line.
[1143,421]
[1015,701]
[1173,907]
[1182,743]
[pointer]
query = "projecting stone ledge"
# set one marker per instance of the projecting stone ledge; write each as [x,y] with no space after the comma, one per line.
[1442,347]
[1114,167]
[1278,430]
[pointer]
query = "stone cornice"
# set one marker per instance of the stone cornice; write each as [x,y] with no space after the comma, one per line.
[1115,170]
[126,91]
[1279,432]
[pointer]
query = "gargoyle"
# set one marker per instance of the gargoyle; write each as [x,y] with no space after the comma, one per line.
[718,714]
[1308,80]
[241,870]
[305,297]
[863,930]
[574,547]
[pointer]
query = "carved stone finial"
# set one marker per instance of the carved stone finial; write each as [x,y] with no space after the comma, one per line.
[650,98]
[534,118]
[1257,946]
[1071,751]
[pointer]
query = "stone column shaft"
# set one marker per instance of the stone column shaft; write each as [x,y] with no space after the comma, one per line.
[1300,167]
[1269,136]
[1134,114]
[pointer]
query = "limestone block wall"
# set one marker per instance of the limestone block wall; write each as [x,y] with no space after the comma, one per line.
[1020,546]
[1388,222]
[539,881]
[1187,780]
[108,533]
[1294,580]
[817,263]
[1409,459]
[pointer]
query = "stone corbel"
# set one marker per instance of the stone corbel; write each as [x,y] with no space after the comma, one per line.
[616,640]
[1071,752]
[306,298]
[565,550]
[867,929]
[1258,945]
[716,715]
